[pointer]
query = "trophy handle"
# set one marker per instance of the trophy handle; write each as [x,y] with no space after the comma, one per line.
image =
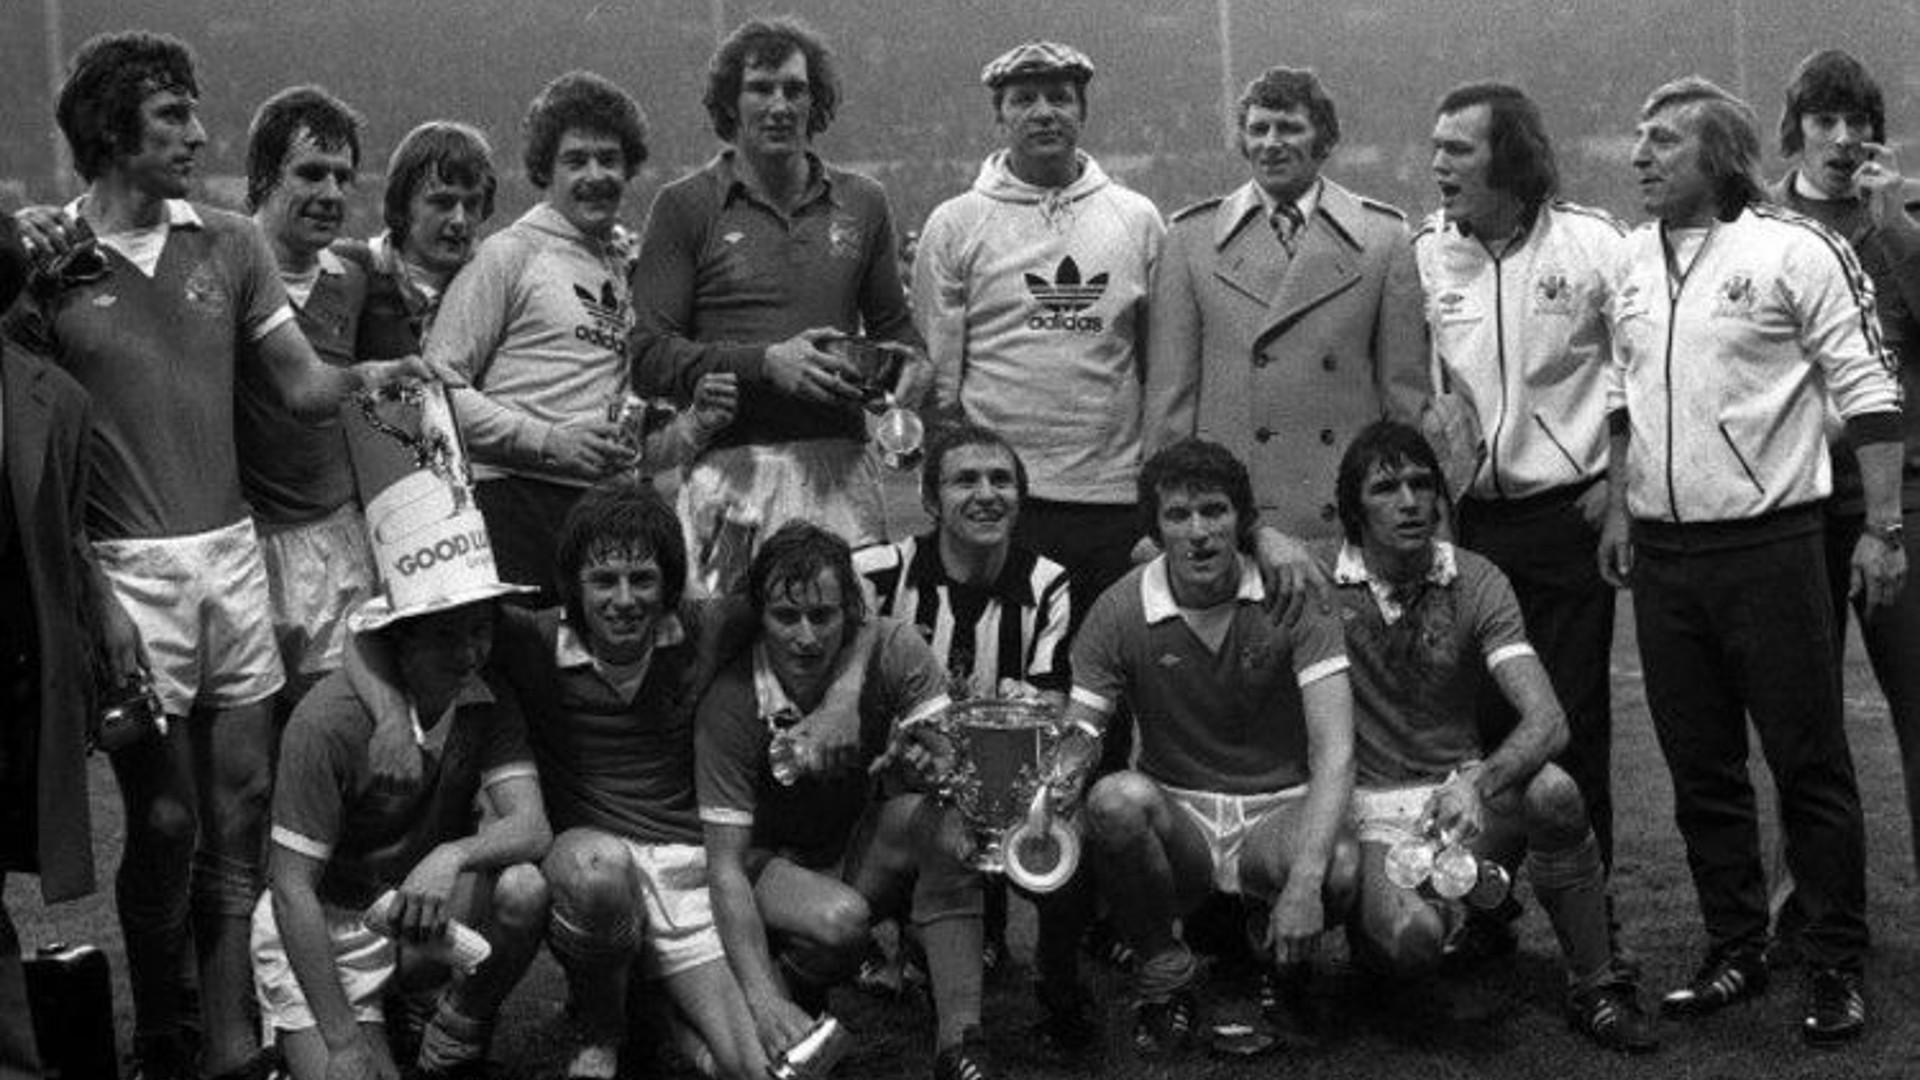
[1041,824]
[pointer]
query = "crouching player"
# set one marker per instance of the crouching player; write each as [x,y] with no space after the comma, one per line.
[1425,623]
[610,682]
[799,872]
[340,841]
[1244,764]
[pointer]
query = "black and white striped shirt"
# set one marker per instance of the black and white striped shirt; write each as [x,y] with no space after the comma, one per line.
[1015,628]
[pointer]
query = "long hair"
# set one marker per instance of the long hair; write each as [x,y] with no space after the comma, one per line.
[793,558]
[99,105]
[1381,444]
[326,119]
[444,150]
[623,517]
[1523,163]
[1830,81]
[1729,139]
[765,43]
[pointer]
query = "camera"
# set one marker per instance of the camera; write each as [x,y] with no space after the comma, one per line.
[129,714]
[83,262]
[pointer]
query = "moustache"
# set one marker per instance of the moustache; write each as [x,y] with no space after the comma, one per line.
[595,191]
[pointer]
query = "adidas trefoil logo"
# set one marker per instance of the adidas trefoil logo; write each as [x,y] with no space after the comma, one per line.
[1064,298]
[604,306]
[608,315]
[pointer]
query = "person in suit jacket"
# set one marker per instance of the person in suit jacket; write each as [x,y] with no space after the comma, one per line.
[46,678]
[1286,315]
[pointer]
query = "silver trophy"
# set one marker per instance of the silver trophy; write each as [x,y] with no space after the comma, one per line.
[897,430]
[638,418]
[1001,779]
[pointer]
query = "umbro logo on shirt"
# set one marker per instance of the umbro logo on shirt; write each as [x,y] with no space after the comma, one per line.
[1064,298]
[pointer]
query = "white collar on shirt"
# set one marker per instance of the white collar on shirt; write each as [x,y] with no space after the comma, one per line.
[1350,568]
[142,247]
[1156,592]
[570,652]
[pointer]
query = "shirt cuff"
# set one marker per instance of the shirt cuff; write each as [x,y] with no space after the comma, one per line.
[926,711]
[509,771]
[1313,673]
[726,815]
[1096,702]
[303,845]
[283,314]
[1874,427]
[1508,652]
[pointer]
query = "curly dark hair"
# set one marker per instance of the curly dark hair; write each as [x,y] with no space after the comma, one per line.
[444,150]
[329,121]
[624,517]
[793,557]
[1283,88]
[1197,466]
[1523,163]
[581,101]
[99,105]
[1381,444]
[1830,81]
[768,43]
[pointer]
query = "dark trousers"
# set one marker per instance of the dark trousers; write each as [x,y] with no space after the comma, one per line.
[1547,550]
[19,1059]
[1094,542]
[523,525]
[1892,637]
[1732,633]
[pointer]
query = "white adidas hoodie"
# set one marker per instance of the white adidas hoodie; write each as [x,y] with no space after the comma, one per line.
[1032,302]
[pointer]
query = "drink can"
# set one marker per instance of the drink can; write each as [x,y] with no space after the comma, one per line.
[815,1055]
[1492,888]
[462,947]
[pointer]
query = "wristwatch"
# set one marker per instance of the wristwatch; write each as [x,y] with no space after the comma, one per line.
[1893,534]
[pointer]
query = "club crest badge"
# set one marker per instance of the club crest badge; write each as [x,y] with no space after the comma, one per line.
[845,238]
[1552,294]
[1733,297]
[205,294]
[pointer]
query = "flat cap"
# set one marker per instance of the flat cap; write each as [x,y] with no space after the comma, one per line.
[1035,60]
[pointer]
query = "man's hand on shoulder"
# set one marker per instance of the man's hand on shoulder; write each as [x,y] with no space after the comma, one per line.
[799,367]
[1293,578]
[45,231]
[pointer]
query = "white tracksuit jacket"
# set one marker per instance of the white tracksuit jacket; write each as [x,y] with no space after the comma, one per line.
[1522,336]
[1727,371]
